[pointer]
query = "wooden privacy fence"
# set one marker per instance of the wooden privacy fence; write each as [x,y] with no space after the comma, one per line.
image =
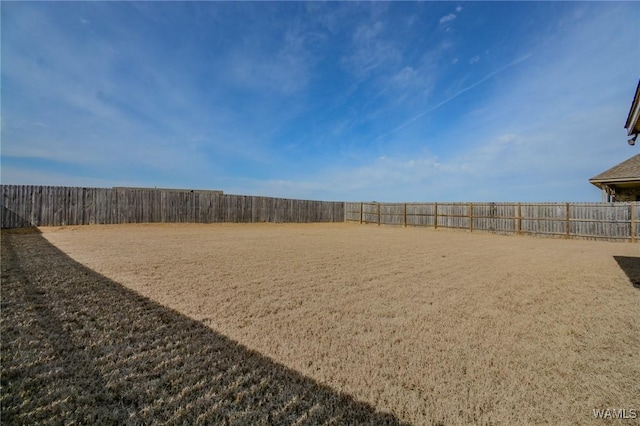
[27,205]
[609,221]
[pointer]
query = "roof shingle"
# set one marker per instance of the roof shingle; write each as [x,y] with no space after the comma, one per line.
[627,170]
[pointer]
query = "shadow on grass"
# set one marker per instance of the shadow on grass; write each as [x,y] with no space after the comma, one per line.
[78,347]
[11,219]
[631,267]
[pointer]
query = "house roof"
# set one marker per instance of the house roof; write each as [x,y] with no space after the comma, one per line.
[633,119]
[626,172]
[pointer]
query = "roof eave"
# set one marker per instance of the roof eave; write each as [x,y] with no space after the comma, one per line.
[616,180]
[633,119]
[613,183]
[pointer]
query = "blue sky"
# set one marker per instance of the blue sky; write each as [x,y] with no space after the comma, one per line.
[407,101]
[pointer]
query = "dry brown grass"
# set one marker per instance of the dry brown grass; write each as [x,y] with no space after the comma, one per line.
[432,326]
[78,348]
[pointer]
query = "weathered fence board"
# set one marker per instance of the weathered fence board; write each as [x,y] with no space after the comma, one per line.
[604,221]
[26,205]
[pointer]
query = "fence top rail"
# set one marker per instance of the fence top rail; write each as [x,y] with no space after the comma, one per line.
[288,199]
[117,188]
[207,191]
[500,203]
[7,186]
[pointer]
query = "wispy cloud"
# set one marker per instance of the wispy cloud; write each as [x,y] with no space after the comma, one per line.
[120,102]
[285,70]
[370,52]
[454,96]
[450,17]
[447,18]
[517,140]
[356,101]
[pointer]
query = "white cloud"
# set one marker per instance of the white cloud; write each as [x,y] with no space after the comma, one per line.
[455,95]
[284,71]
[143,118]
[546,126]
[421,177]
[367,32]
[370,51]
[416,83]
[447,18]
[555,123]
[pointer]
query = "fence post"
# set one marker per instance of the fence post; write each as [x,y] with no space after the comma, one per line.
[361,208]
[519,219]
[378,214]
[470,217]
[633,212]
[405,215]
[435,219]
[568,223]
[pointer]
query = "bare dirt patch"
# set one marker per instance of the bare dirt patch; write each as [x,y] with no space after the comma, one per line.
[432,326]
